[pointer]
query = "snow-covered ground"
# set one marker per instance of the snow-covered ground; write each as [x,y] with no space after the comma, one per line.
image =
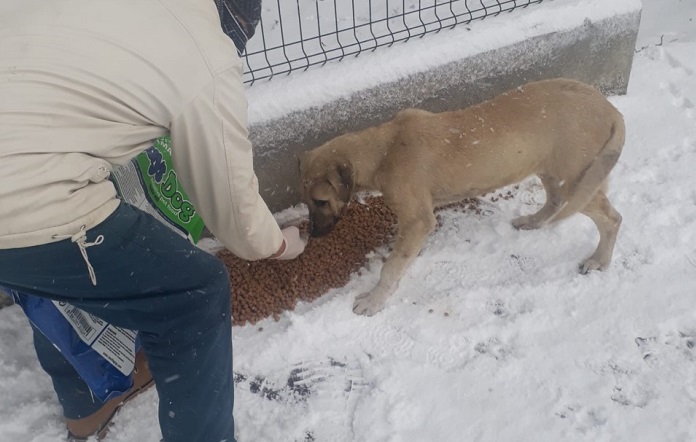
[493,335]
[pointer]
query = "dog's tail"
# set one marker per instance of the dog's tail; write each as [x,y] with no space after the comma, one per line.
[593,177]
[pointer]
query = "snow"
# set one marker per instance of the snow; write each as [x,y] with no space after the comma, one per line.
[492,335]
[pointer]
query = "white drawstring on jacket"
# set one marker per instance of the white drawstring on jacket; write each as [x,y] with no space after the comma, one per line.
[80,238]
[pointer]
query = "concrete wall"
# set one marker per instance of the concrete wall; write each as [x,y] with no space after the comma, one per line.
[599,53]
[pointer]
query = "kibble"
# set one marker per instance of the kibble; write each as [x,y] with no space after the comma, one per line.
[267,288]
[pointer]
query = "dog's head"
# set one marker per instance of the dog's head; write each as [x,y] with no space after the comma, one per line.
[327,187]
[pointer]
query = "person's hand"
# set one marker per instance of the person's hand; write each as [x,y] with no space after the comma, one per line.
[294,243]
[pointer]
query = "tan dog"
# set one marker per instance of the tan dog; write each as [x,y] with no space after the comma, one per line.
[563,131]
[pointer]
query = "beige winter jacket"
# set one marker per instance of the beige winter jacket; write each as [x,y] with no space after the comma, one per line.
[88,84]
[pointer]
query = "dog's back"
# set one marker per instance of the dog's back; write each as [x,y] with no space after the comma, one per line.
[553,126]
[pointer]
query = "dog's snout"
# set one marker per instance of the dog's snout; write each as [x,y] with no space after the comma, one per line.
[320,226]
[317,233]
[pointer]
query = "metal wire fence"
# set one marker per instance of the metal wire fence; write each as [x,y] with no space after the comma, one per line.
[296,34]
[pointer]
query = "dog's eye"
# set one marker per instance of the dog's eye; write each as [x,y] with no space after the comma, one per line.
[320,203]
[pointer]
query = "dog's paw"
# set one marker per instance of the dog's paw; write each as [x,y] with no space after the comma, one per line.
[368,304]
[525,223]
[590,265]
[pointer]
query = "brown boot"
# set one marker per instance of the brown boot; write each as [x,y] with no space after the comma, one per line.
[98,422]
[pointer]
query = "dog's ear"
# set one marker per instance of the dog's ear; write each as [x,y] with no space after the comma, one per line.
[302,164]
[346,177]
[301,158]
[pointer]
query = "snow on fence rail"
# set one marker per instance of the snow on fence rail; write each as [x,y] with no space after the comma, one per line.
[294,35]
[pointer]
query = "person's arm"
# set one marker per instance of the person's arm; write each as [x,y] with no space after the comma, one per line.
[213,159]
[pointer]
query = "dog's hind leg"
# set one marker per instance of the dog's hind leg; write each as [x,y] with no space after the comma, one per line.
[582,190]
[554,203]
[413,230]
[608,221]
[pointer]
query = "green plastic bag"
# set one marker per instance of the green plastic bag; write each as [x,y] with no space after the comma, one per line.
[149,182]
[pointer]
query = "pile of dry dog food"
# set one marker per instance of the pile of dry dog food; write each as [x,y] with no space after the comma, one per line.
[269,287]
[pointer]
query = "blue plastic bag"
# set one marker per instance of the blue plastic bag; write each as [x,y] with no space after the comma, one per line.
[102,354]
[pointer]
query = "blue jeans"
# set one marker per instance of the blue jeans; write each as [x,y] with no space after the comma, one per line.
[151,280]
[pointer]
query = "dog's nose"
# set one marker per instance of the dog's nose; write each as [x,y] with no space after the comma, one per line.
[316,233]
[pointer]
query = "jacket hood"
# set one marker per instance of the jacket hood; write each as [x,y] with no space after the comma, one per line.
[239,19]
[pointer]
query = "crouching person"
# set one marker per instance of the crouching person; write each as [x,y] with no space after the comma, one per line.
[86,86]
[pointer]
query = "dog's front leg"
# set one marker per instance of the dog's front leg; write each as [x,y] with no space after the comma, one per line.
[409,241]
